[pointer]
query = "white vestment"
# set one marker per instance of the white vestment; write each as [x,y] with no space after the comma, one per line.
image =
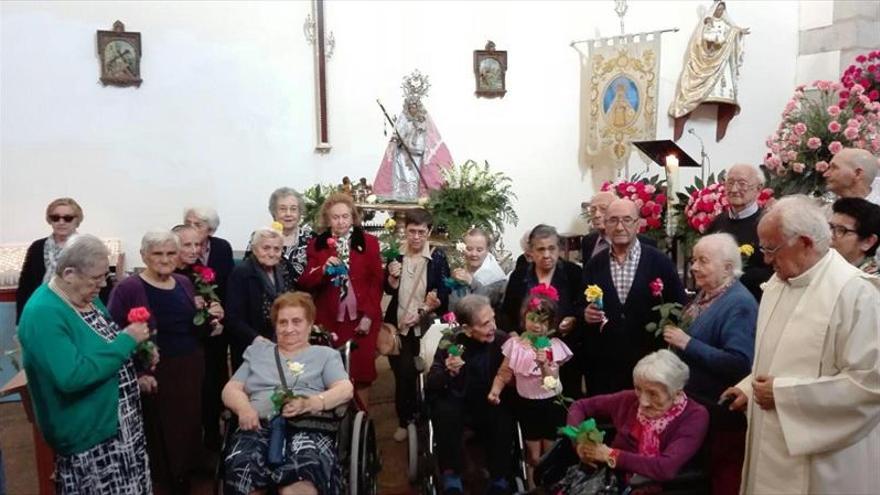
[819,337]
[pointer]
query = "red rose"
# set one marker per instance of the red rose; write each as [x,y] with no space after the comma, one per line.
[139,314]
[207,275]
[331,243]
[657,287]
[660,198]
[545,290]
[874,95]
[844,95]
[861,59]
[653,222]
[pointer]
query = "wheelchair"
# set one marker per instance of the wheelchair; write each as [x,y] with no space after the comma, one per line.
[691,480]
[357,449]
[423,471]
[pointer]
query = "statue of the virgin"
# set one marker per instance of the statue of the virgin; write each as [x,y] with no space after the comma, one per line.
[416,154]
[711,70]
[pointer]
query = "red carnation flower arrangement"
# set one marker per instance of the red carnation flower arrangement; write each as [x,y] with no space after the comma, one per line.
[649,195]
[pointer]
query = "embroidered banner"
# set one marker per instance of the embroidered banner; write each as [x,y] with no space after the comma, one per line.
[619,79]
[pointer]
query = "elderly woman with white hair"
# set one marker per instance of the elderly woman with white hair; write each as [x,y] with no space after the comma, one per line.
[718,347]
[287,208]
[253,287]
[173,393]
[81,377]
[659,428]
[216,252]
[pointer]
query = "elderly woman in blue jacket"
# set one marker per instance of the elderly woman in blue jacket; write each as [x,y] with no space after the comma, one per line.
[718,347]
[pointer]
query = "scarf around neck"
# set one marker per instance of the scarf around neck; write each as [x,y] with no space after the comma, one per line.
[650,429]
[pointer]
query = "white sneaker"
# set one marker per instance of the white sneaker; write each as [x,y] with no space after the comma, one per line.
[399,434]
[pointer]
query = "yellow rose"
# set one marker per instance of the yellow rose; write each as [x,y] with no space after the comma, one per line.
[746,250]
[277,227]
[390,224]
[593,293]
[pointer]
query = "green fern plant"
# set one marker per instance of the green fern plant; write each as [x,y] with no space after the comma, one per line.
[472,195]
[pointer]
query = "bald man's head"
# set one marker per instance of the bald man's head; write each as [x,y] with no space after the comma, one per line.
[622,223]
[851,173]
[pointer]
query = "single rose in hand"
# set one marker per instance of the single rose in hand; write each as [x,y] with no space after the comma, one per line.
[208,275]
[331,243]
[138,314]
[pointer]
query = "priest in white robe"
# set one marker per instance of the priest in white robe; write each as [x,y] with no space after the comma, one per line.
[813,398]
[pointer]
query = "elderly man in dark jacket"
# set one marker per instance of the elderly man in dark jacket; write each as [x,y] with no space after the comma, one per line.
[615,337]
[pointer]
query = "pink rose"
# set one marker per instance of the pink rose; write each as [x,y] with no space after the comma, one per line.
[449,318]
[814,143]
[875,145]
[800,128]
[208,275]
[657,287]
[857,89]
[834,126]
[851,133]
[798,167]
[823,85]
[864,100]
[835,147]
[834,110]
[138,314]
[852,123]
[821,166]
[331,243]
[791,155]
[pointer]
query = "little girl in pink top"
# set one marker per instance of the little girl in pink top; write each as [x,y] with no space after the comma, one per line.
[533,360]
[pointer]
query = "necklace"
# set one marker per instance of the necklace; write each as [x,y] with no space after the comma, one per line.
[53,285]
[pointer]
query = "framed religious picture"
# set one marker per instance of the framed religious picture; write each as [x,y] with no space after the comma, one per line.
[490,68]
[120,55]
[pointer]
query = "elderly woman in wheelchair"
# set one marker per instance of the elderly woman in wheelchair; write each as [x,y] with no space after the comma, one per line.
[272,447]
[658,430]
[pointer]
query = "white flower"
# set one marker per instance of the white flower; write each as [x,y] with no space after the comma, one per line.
[460,247]
[296,368]
[550,383]
[371,199]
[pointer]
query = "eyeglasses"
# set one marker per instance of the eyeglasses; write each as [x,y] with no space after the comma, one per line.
[840,230]
[67,218]
[739,184]
[772,251]
[285,209]
[625,221]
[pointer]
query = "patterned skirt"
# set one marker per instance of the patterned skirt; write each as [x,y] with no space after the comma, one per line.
[309,456]
[118,465]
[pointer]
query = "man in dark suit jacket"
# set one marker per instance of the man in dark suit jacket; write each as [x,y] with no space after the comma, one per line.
[624,273]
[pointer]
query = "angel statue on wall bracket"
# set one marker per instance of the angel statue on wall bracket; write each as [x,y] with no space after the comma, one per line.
[711,70]
[416,154]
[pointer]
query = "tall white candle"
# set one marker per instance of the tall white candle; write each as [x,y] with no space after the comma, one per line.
[671,185]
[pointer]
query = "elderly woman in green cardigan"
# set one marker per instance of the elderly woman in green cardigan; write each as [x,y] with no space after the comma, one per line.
[81,377]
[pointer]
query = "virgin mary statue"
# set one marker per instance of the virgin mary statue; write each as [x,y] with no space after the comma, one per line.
[416,154]
[711,70]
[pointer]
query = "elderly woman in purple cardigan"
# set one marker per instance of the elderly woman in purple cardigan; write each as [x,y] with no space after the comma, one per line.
[172,395]
[659,429]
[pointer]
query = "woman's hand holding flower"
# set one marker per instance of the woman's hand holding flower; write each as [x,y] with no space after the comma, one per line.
[216,310]
[332,261]
[199,301]
[302,405]
[454,364]
[675,337]
[394,269]
[592,453]
[248,419]
[148,384]
[462,275]
[139,331]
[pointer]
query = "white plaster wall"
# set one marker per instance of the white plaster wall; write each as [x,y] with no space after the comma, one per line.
[226,110]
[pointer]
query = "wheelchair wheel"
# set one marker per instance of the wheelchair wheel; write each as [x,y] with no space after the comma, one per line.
[412,441]
[364,460]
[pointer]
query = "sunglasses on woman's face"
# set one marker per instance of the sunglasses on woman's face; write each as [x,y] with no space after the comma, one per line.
[66,218]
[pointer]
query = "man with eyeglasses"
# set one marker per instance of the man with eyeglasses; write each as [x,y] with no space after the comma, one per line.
[615,336]
[855,232]
[742,186]
[851,174]
[596,241]
[813,397]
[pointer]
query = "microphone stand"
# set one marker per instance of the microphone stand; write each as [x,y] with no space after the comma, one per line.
[705,162]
